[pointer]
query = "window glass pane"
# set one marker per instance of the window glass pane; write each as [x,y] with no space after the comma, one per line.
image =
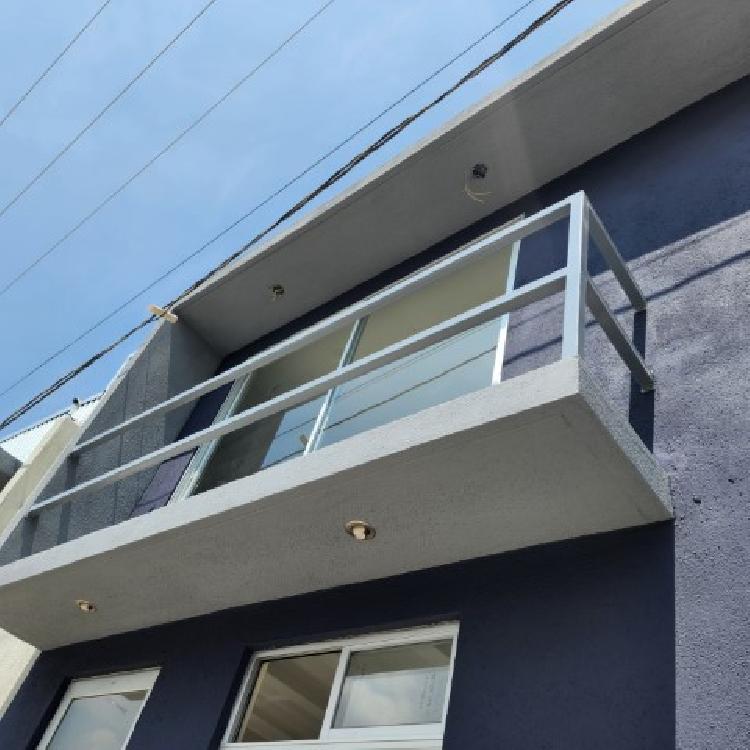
[283,435]
[101,722]
[477,282]
[395,686]
[289,699]
[459,365]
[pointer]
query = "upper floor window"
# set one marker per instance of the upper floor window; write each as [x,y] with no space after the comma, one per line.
[457,365]
[367,691]
[99,712]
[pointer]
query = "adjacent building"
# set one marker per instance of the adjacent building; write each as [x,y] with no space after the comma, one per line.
[458,461]
[26,457]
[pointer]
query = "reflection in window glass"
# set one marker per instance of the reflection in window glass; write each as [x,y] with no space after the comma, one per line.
[280,436]
[459,365]
[395,686]
[101,722]
[289,699]
[433,376]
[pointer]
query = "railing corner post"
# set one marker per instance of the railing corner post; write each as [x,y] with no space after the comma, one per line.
[574,311]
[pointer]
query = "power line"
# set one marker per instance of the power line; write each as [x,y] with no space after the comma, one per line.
[332,179]
[90,124]
[54,62]
[169,146]
[136,295]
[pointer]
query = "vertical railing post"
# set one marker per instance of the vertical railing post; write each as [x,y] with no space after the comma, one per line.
[574,311]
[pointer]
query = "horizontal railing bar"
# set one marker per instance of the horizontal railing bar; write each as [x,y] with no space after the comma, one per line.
[476,250]
[619,338]
[611,254]
[509,302]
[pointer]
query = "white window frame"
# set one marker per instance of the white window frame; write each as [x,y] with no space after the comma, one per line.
[407,737]
[91,687]
[197,464]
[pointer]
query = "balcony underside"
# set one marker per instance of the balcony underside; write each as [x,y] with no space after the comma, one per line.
[538,458]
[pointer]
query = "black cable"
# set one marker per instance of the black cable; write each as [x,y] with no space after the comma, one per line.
[133,177]
[85,129]
[335,177]
[54,62]
[265,201]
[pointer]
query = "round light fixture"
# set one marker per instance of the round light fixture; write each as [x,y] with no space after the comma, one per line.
[361,531]
[86,606]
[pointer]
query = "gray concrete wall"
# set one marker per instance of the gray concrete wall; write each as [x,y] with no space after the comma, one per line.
[29,476]
[8,467]
[171,361]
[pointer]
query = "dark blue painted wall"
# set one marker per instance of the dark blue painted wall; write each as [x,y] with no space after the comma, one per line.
[565,646]
[573,645]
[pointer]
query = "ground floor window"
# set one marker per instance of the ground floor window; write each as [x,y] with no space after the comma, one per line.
[99,713]
[366,692]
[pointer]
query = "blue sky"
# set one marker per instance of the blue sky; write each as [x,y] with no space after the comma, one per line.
[353,61]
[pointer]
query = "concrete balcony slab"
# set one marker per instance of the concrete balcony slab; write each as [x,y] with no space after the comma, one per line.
[539,458]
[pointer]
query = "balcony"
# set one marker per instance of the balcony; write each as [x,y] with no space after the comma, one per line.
[394,411]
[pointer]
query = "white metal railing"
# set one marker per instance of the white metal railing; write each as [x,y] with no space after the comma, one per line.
[580,292]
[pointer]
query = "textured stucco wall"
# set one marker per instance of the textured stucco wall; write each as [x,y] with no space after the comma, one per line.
[173,360]
[16,656]
[677,202]
[563,646]
[569,645]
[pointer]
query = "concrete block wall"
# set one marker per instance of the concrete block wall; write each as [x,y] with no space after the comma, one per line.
[173,359]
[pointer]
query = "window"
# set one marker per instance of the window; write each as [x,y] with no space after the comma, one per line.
[363,692]
[99,713]
[282,435]
[438,373]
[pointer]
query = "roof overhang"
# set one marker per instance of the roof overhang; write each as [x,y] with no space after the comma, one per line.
[639,66]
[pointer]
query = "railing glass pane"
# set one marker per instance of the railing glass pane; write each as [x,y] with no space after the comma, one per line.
[459,365]
[280,436]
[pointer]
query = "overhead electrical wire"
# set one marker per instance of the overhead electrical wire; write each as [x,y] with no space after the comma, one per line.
[103,111]
[171,270]
[332,179]
[141,292]
[54,62]
[168,147]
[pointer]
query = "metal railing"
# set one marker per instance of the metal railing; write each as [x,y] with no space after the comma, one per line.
[574,279]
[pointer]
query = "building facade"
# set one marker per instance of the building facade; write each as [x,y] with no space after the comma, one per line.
[459,461]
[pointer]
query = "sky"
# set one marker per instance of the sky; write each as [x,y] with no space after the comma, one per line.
[354,60]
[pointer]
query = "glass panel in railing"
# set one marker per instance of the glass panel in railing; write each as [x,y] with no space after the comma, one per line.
[445,371]
[451,368]
[280,436]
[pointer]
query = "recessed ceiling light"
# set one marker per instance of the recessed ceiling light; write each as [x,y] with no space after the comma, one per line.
[86,606]
[360,530]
